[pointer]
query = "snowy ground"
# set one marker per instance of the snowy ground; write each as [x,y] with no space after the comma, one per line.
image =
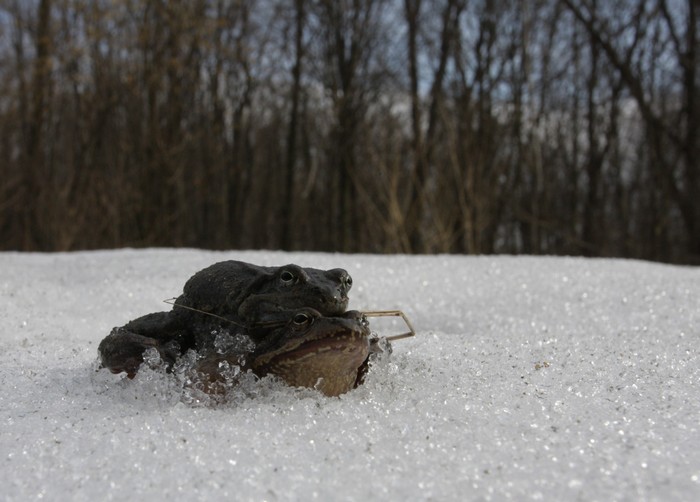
[531,378]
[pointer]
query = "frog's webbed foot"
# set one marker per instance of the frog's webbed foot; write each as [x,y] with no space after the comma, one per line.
[122,351]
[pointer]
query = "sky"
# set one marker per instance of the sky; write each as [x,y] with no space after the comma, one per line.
[529,378]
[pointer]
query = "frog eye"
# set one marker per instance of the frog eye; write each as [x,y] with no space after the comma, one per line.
[287,277]
[302,319]
[348,281]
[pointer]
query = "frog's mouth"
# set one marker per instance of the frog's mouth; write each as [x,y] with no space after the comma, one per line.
[348,345]
[337,306]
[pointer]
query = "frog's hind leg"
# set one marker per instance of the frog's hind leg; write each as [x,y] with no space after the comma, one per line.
[163,326]
[122,351]
[169,329]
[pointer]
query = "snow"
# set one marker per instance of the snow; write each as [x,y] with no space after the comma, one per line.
[530,378]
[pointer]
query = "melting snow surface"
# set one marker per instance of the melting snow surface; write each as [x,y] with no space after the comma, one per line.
[531,378]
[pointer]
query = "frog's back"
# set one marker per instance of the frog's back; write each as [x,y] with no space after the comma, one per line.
[220,286]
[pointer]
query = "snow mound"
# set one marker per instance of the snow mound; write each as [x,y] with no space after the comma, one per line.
[530,378]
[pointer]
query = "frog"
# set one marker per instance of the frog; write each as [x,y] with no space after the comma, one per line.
[252,293]
[228,295]
[327,353]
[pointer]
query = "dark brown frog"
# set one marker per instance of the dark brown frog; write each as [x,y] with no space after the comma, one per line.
[229,295]
[330,354]
[253,294]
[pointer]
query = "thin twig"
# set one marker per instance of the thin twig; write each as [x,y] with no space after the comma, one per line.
[368,313]
[393,313]
[171,301]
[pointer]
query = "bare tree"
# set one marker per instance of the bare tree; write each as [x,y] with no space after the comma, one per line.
[675,138]
[347,38]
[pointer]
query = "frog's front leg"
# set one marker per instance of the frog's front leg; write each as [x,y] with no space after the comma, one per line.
[122,351]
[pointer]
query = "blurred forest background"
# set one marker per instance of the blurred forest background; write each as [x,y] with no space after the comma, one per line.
[458,126]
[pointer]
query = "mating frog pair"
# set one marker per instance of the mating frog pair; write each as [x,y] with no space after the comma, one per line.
[295,317]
